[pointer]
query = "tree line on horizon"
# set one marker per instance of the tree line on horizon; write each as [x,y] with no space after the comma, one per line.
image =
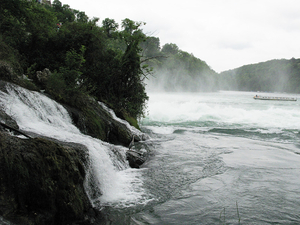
[277,75]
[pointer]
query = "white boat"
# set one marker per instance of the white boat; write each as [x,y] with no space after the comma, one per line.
[274,98]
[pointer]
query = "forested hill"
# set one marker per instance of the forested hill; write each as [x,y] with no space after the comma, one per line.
[280,75]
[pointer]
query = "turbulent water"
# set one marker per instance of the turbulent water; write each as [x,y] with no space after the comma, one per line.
[217,158]
[220,158]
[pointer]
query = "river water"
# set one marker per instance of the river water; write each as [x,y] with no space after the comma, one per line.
[217,158]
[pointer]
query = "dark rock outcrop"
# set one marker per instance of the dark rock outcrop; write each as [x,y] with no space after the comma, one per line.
[135,158]
[7,71]
[95,121]
[43,76]
[42,182]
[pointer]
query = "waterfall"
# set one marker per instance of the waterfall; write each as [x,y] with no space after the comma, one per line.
[109,179]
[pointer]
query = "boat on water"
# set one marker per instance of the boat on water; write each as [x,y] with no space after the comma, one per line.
[256,97]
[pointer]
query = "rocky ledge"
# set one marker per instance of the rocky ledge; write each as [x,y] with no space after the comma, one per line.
[42,182]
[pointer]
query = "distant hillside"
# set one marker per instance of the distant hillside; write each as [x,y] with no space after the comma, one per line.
[279,75]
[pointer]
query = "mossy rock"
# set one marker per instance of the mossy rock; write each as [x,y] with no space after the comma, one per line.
[41,181]
[93,120]
[132,121]
[6,72]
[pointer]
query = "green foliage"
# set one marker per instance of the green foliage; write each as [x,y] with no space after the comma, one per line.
[132,121]
[10,56]
[170,49]
[71,71]
[66,84]
[151,47]
[132,92]
[110,26]
[56,86]
[86,59]
[63,12]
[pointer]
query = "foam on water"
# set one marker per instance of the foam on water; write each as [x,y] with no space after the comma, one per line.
[222,108]
[109,178]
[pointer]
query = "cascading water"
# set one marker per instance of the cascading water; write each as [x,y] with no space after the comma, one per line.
[109,180]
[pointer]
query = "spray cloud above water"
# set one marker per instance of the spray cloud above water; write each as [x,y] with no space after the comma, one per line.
[177,70]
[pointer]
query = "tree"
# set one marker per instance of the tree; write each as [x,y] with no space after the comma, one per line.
[66,84]
[81,17]
[71,70]
[170,49]
[13,21]
[132,89]
[80,54]
[63,12]
[110,26]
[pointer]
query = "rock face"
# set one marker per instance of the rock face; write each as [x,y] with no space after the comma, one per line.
[135,158]
[42,182]
[43,76]
[98,123]
[6,72]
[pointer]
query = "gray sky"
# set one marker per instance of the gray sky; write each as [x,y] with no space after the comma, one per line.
[226,34]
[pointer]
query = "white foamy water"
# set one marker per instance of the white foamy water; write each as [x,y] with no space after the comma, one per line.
[234,109]
[110,175]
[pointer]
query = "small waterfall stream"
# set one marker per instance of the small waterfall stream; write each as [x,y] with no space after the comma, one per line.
[109,179]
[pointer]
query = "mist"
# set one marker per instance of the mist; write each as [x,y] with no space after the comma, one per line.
[179,80]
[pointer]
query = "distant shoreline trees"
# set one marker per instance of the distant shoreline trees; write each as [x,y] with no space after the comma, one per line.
[279,75]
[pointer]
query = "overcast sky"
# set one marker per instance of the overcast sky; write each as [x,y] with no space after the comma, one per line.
[226,34]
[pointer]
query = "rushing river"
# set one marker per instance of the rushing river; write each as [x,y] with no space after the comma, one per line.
[219,158]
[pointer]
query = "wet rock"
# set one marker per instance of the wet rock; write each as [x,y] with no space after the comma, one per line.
[6,119]
[95,121]
[135,158]
[42,182]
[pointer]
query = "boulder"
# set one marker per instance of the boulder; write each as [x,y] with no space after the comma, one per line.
[43,76]
[135,158]
[42,182]
[97,122]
